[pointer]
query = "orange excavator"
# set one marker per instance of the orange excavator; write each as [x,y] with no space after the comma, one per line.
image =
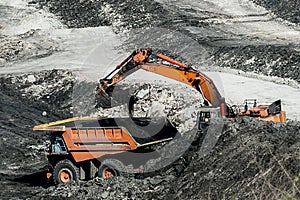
[141,59]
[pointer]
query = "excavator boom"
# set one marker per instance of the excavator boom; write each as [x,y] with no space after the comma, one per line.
[178,71]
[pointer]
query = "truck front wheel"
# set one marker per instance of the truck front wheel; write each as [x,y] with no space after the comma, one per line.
[65,172]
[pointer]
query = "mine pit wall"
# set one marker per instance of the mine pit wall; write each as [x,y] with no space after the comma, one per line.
[270,58]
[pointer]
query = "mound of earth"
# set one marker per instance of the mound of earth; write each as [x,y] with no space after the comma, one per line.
[202,42]
[251,160]
[287,9]
[279,61]
[121,16]
[29,45]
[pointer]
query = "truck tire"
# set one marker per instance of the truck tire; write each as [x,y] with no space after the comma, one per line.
[113,167]
[65,172]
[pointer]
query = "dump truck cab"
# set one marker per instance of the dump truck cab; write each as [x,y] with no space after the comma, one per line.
[58,145]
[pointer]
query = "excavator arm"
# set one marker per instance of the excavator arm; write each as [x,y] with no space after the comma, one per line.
[175,70]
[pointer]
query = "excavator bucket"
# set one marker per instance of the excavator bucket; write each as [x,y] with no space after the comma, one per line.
[113,97]
[103,100]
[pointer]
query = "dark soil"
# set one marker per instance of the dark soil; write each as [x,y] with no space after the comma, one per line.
[287,9]
[280,61]
[29,45]
[251,159]
[126,15]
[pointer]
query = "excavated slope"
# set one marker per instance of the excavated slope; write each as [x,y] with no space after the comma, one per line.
[250,160]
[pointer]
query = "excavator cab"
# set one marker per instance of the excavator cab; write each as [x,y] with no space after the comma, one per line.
[205,115]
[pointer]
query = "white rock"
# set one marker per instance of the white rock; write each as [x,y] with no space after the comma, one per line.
[157,110]
[31,78]
[2,61]
[142,93]
[44,113]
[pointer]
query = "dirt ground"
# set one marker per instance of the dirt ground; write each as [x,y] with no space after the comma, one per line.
[251,159]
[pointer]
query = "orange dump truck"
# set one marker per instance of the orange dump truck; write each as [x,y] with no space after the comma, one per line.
[83,148]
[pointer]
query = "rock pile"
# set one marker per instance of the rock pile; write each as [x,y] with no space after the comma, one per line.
[250,159]
[154,99]
[280,61]
[288,10]
[25,46]
[121,16]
